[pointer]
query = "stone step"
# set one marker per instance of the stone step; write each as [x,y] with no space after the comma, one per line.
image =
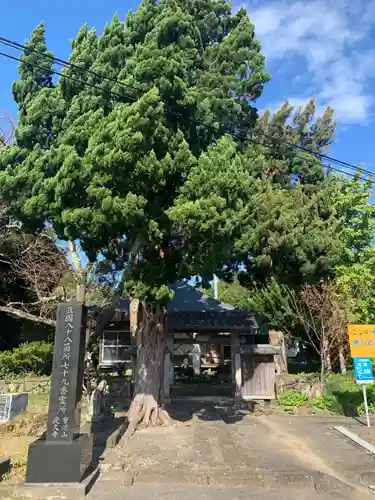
[116,491]
[314,481]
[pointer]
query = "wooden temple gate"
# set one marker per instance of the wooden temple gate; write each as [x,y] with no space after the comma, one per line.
[195,318]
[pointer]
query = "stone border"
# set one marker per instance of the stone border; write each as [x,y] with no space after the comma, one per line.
[114,438]
[353,437]
[360,442]
[316,481]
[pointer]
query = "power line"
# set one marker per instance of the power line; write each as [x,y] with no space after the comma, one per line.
[329,166]
[122,96]
[19,46]
[323,156]
[317,155]
[364,179]
[62,62]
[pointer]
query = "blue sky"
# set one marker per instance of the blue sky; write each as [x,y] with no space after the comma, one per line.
[321,48]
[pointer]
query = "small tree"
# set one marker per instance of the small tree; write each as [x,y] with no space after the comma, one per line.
[315,314]
[35,273]
[320,311]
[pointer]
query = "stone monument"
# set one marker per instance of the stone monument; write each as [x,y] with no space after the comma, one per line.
[99,403]
[64,455]
[12,404]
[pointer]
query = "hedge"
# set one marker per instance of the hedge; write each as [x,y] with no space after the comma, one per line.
[30,357]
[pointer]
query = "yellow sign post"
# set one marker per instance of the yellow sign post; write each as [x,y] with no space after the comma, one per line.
[362,341]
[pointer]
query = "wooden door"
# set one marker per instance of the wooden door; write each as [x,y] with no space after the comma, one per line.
[258,377]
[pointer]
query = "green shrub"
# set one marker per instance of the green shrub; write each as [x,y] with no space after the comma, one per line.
[371,408]
[6,364]
[290,400]
[370,390]
[370,400]
[30,357]
[324,403]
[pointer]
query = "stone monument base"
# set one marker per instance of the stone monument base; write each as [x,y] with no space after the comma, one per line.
[4,467]
[58,490]
[59,462]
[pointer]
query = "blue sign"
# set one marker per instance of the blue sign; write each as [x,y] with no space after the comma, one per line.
[363,370]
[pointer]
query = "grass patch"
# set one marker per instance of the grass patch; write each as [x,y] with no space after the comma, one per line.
[15,447]
[37,404]
[323,403]
[17,434]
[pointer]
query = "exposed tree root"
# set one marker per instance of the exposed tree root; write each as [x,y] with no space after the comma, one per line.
[166,419]
[145,412]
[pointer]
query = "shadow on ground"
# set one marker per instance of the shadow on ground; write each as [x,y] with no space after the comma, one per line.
[106,434]
[220,409]
[348,402]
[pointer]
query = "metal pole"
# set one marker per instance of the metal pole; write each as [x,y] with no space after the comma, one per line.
[366,405]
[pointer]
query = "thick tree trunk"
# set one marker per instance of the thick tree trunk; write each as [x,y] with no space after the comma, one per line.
[324,355]
[147,407]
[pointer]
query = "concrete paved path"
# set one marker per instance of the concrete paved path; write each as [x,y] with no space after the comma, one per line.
[225,456]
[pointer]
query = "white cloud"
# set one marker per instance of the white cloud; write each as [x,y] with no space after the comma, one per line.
[330,41]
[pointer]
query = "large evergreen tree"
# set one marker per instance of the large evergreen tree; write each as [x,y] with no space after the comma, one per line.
[111,170]
[130,155]
[285,138]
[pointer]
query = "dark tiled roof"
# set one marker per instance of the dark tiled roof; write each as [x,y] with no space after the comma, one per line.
[189,299]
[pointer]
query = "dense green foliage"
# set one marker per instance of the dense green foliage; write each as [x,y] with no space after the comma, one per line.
[139,162]
[30,357]
[138,172]
[348,226]
[111,172]
[356,271]
[356,283]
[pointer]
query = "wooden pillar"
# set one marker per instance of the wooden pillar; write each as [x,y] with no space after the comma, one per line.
[236,368]
[222,355]
[168,369]
[232,356]
[167,384]
[170,372]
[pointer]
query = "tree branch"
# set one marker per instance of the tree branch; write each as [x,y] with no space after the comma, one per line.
[75,257]
[42,300]
[25,315]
